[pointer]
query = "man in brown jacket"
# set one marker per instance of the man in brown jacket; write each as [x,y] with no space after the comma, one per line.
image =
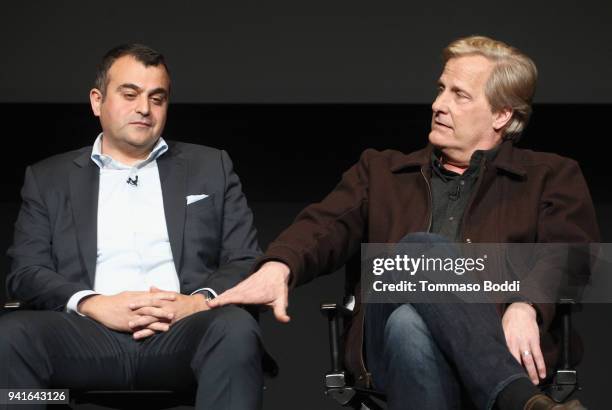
[470,184]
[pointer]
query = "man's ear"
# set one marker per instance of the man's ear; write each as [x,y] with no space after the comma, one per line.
[95,99]
[502,117]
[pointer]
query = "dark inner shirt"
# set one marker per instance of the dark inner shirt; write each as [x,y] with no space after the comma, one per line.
[451,192]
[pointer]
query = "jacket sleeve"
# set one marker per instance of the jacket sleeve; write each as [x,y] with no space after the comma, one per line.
[33,279]
[239,246]
[566,216]
[324,235]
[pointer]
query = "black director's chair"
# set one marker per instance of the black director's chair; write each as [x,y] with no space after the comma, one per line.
[340,386]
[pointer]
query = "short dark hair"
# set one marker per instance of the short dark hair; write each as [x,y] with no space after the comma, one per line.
[144,54]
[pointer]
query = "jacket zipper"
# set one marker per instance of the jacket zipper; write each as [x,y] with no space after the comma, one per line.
[471,202]
[430,205]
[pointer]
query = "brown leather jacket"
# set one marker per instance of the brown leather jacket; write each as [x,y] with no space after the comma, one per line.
[521,196]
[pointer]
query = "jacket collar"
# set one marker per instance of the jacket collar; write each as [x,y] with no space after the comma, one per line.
[507,159]
[84,157]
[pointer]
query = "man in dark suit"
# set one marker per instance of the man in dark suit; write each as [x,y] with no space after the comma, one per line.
[117,248]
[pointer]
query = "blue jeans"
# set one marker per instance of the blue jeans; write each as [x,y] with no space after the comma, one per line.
[426,356]
[431,355]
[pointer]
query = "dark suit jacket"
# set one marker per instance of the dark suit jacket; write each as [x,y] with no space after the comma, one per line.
[213,240]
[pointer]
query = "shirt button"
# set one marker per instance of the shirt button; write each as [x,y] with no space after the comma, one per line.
[452,218]
[462,182]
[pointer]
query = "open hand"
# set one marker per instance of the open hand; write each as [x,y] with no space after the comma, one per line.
[523,339]
[268,286]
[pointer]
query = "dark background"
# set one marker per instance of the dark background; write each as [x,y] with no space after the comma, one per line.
[315,51]
[294,92]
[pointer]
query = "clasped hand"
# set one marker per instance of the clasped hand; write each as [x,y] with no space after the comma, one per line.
[141,313]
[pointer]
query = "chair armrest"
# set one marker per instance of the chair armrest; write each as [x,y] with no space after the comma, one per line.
[12,305]
[335,309]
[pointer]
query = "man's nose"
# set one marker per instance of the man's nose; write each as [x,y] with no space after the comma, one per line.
[144,106]
[440,103]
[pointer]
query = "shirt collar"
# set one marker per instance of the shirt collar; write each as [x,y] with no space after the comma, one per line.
[476,161]
[106,161]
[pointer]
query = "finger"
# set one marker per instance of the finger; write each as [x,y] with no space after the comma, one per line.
[163,295]
[529,365]
[515,351]
[280,307]
[141,322]
[144,321]
[154,311]
[280,312]
[141,334]
[232,296]
[155,289]
[152,299]
[143,303]
[536,351]
[159,326]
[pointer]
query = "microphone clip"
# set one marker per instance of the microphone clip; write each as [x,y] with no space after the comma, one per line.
[132,182]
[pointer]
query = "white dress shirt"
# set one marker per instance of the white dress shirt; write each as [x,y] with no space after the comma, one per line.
[133,247]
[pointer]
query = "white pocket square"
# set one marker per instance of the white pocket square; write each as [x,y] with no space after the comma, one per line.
[195,198]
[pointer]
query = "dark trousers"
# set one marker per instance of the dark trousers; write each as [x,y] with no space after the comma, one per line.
[219,351]
[426,356]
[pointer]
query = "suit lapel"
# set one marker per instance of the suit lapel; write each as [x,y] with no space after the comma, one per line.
[84,182]
[173,177]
